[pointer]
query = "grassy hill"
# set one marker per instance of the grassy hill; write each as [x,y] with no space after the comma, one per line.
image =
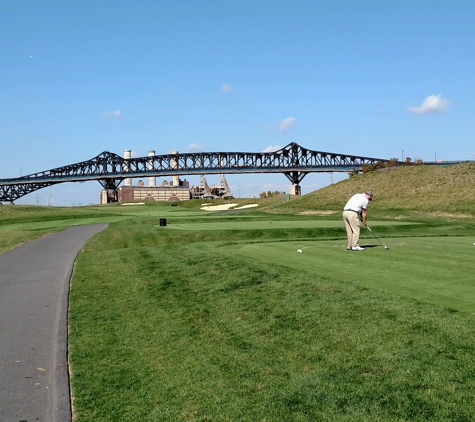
[443,191]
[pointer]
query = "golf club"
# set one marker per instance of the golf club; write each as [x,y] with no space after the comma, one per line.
[385,247]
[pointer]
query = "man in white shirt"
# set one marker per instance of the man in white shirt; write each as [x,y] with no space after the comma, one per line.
[356,206]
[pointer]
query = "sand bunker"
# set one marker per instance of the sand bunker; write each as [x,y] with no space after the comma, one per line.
[223,207]
[226,207]
[246,206]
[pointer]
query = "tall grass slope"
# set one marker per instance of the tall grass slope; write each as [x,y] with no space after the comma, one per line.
[443,191]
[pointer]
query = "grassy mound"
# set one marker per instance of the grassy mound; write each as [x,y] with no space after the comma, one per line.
[438,190]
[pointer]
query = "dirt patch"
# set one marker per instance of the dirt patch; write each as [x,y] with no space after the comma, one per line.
[322,212]
[323,288]
[447,214]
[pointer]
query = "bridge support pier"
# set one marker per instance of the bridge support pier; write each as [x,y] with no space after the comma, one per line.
[109,196]
[110,193]
[295,178]
[295,190]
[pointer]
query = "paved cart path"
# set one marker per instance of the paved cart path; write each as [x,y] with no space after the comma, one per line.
[34,287]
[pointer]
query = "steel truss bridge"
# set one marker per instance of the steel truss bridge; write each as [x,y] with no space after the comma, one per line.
[110,169]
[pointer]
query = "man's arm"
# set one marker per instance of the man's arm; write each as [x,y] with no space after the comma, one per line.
[363,217]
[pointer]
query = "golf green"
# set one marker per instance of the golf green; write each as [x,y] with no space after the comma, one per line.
[436,270]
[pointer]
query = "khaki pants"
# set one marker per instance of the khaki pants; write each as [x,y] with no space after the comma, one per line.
[352,224]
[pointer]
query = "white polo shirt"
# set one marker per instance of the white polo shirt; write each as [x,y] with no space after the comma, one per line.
[357,202]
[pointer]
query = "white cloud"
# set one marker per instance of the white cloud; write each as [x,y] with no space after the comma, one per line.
[286,124]
[272,148]
[111,114]
[227,88]
[195,147]
[432,104]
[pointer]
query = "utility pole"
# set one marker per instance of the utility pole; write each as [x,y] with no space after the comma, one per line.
[51,196]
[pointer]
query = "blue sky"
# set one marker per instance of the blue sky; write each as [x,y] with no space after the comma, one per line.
[372,78]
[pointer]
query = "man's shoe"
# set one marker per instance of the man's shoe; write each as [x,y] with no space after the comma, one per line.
[357,248]
[349,249]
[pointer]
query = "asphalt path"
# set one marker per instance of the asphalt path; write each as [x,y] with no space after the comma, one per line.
[34,289]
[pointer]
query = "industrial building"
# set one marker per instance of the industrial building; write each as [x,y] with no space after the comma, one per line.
[223,191]
[174,190]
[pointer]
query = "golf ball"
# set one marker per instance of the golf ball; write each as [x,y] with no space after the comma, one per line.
[300,251]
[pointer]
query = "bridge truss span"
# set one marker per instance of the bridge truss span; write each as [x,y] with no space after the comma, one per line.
[110,169]
[290,158]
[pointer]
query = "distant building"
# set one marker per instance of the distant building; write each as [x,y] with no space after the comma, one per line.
[175,190]
[204,191]
[140,192]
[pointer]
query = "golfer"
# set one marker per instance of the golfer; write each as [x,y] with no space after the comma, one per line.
[354,209]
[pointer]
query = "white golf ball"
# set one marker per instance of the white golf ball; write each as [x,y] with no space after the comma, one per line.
[300,251]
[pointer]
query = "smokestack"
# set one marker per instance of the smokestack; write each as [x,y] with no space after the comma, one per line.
[127,156]
[151,180]
[176,179]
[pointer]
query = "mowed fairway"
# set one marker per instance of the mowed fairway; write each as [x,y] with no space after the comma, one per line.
[439,270]
[229,224]
[211,324]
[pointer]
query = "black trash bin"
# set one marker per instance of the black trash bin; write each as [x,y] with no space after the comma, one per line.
[163,222]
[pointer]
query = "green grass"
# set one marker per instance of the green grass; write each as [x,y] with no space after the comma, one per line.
[267,224]
[437,270]
[176,325]
[444,191]
[215,317]
[21,223]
